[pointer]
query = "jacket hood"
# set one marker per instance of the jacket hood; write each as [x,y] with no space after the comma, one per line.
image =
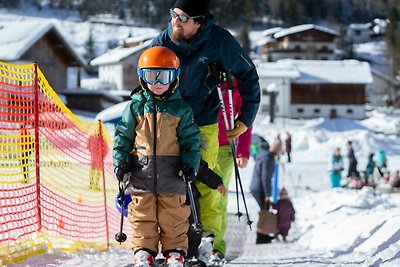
[199,39]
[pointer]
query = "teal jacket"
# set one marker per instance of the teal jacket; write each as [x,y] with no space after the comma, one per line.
[155,139]
[213,45]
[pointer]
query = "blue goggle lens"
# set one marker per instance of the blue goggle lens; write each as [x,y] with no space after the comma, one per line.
[153,76]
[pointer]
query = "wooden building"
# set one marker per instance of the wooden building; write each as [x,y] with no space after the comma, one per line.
[306,41]
[117,67]
[24,42]
[316,88]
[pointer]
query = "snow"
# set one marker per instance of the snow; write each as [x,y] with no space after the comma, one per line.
[19,36]
[339,227]
[303,27]
[332,227]
[331,71]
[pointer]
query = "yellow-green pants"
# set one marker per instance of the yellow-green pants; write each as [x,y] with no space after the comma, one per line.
[210,213]
[224,169]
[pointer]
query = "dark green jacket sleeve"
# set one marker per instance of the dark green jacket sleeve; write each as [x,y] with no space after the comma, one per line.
[189,140]
[124,138]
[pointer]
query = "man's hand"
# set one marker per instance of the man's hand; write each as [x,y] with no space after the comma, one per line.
[120,172]
[242,162]
[189,173]
[237,130]
[222,189]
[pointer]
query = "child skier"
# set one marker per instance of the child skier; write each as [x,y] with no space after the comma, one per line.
[285,213]
[156,140]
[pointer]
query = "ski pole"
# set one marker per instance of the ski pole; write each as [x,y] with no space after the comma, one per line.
[232,143]
[121,236]
[233,147]
[196,226]
[218,74]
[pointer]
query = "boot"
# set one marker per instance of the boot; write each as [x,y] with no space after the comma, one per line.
[143,258]
[263,239]
[205,247]
[174,259]
[194,262]
[217,259]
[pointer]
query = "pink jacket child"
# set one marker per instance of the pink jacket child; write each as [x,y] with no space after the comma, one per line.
[244,140]
[285,213]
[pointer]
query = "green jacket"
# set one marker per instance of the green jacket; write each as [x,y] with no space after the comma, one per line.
[213,45]
[155,139]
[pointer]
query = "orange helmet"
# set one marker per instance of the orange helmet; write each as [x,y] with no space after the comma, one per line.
[158,57]
[158,64]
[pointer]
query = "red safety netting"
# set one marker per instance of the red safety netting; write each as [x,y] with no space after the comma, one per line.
[57,187]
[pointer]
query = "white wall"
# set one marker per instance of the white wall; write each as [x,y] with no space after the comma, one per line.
[111,74]
[282,106]
[309,111]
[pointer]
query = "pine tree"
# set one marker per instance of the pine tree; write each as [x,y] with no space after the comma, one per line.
[89,47]
[244,38]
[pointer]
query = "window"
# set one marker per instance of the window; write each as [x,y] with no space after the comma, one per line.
[300,110]
[349,111]
[317,110]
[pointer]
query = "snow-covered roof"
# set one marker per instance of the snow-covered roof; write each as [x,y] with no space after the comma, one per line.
[317,71]
[117,54]
[359,26]
[265,40]
[19,36]
[331,71]
[140,38]
[277,70]
[303,27]
[271,31]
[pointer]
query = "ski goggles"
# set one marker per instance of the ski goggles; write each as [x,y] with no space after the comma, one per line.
[163,76]
[182,18]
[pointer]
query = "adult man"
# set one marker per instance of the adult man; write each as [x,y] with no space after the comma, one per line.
[199,43]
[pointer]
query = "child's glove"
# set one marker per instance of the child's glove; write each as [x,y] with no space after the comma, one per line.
[189,173]
[120,172]
[237,130]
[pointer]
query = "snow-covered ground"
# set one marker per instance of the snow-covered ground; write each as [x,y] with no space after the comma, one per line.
[340,227]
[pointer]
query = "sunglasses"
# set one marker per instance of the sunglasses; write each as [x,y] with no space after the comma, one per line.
[163,76]
[183,18]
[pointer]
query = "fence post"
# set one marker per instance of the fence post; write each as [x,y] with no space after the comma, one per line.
[101,139]
[37,154]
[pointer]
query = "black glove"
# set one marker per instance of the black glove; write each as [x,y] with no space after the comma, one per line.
[120,171]
[189,173]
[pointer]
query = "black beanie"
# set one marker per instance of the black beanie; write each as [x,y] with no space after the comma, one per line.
[193,7]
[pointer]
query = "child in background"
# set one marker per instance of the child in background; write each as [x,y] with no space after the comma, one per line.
[369,170]
[285,213]
[336,168]
[157,140]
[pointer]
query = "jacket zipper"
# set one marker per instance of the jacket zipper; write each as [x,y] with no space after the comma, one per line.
[155,145]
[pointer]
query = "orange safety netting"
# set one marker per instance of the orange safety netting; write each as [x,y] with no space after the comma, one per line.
[57,187]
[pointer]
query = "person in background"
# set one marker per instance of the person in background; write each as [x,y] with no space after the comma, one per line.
[352,170]
[381,161]
[200,44]
[159,143]
[395,181]
[255,138]
[260,186]
[288,146]
[225,164]
[285,213]
[369,170]
[336,168]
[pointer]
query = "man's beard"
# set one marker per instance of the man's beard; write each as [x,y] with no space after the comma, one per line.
[177,33]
